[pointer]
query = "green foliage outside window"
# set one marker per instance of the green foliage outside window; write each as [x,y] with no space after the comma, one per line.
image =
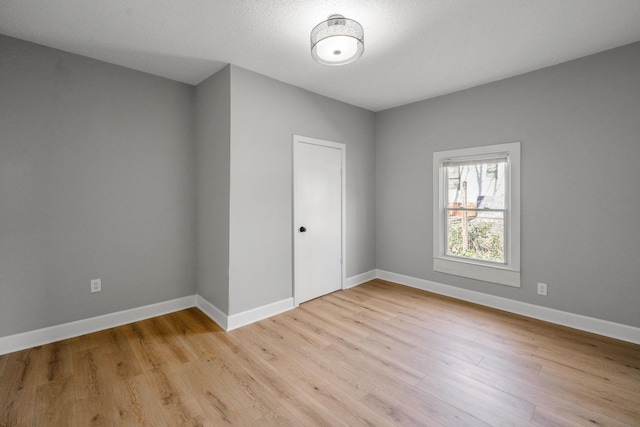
[485,239]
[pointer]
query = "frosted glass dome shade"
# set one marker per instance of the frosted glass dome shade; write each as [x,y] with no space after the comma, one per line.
[337,48]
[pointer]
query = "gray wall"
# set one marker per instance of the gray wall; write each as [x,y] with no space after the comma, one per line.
[264,115]
[213,97]
[579,124]
[96,181]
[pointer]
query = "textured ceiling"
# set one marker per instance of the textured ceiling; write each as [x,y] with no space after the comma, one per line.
[414,49]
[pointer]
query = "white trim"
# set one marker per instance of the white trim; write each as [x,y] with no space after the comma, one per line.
[259,313]
[359,279]
[300,139]
[212,311]
[502,276]
[576,321]
[50,334]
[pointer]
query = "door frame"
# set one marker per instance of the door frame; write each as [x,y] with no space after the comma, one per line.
[295,141]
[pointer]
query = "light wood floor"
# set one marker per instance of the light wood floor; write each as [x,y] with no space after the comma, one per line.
[378,354]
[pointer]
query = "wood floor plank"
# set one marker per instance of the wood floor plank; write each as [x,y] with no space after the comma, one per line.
[94,405]
[301,337]
[175,398]
[55,403]
[57,359]
[275,385]
[429,408]
[609,370]
[625,408]
[453,346]
[507,344]
[562,413]
[356,356]
[413,320]
[18,385]
[420,361]
[342,379]
[488,394]
[255,342]
[398,411]
[170,341]
[279,417]
[508,365]
[261,371]
[471,403]
[376,354]
[343,406]
[253,397]
[136,403]
[597,345]
[311,412]
[362,303]
[119,355]
[603,386]
[204,383]
[144,345]
[289,394]
[534,390]
[329,315]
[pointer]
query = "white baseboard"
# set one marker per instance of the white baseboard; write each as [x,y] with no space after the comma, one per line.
[359,279]
[259,313]
[576,321]
[37,337]
[212,311]
[51,334]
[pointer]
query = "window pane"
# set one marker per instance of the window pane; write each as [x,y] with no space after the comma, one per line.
[476,235]
[478,185]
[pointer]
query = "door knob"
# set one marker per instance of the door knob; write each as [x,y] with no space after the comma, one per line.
[302,229]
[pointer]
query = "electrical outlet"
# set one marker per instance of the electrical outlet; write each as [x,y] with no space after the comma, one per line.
[96,285]
[542,289]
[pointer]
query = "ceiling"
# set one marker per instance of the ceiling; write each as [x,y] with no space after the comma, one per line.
[414,49]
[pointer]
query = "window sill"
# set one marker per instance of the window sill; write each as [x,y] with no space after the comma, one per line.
[486,273]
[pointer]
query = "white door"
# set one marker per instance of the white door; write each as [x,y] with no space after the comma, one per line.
[318,201]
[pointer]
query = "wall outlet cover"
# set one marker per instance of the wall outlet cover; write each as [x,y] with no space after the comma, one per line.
[542,289]
[96,285]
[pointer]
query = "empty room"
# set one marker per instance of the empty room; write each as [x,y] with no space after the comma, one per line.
[338,213]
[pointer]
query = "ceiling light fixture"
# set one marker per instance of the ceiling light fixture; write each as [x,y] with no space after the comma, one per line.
[337,41]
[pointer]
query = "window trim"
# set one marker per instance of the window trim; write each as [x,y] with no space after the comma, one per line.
[505,274]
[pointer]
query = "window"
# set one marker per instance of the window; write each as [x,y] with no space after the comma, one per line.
[476,221]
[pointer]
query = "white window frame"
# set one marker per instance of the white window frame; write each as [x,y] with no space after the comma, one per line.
[504,274]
